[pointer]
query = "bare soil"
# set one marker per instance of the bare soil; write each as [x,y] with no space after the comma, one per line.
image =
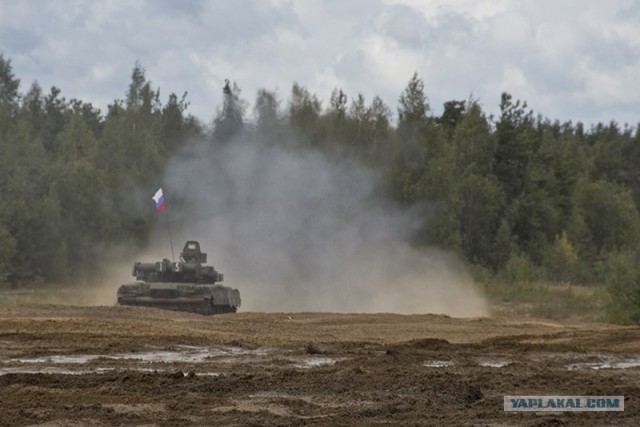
[103,366]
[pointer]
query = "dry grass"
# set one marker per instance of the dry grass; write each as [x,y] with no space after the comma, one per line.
[548,300]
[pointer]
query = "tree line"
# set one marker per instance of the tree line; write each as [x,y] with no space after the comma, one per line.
[71,177]
[520,197]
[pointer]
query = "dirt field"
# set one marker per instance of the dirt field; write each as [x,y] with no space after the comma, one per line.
[102,366]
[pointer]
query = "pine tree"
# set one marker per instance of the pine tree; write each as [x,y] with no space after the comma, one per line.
[230,120]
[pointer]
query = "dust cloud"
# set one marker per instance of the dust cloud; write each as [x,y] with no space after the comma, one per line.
[294,231]
[97,287]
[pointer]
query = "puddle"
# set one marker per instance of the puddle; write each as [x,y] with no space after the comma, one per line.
[52,370]
[154,360]
[148,361]
[188,354]
[192,356]
[314,362]
[588,361]
[494,363]
[76,359]
[101,370]
[437,363]
[607,362]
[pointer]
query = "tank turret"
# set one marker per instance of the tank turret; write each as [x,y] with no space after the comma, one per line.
[186,285]
[189,269]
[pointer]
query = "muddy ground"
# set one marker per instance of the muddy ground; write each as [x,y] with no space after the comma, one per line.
[103,366]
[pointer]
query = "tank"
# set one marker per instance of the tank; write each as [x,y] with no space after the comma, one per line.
[187,285]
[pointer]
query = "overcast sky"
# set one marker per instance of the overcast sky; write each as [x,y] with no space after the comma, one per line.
[573,60]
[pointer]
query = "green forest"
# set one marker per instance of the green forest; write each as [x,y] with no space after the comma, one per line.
[521,198]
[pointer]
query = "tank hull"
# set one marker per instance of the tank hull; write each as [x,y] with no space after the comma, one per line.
[204,299]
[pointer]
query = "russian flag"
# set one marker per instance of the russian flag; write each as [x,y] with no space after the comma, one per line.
[159,199]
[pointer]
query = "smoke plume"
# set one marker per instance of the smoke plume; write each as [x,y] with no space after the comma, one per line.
[294,231]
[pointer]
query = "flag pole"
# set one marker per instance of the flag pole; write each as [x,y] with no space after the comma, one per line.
[173,258]
[160,206]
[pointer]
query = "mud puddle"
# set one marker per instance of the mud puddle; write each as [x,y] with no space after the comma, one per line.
[437,363]
[570,362]
[494,363]
[606,362]
[314,362]
[200,360]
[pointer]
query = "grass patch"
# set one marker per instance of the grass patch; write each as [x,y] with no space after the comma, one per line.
[59,295]
[548,300]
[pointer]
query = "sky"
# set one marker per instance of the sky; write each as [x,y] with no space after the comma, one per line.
[571,60]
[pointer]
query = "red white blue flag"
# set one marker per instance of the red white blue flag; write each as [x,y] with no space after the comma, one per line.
[159,199]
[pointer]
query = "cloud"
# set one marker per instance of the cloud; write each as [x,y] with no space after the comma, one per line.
[571,60]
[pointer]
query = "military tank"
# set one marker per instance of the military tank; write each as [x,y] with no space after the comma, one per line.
[187,285]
